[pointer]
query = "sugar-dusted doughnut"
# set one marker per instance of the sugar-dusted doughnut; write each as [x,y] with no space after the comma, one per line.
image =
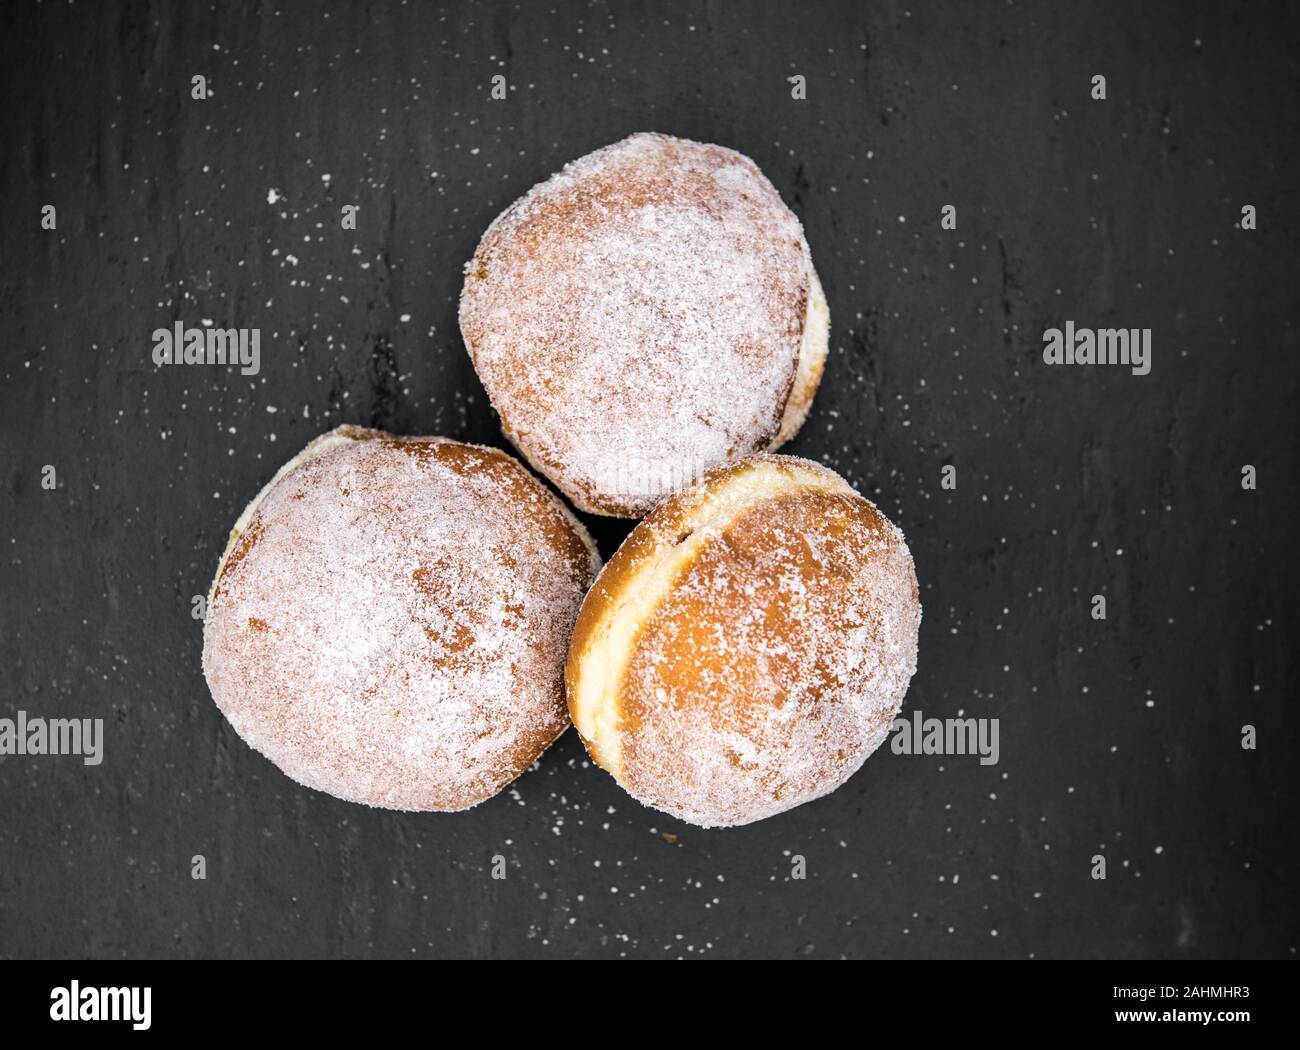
[389,620]
[748,645]
[649,312]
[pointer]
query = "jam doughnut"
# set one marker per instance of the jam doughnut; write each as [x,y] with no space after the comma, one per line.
[648,313]
[748,646]
[389,621]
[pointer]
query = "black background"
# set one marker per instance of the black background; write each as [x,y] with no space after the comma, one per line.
[1118,737]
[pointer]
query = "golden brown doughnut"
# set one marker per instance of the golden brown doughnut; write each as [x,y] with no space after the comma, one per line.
[748,646]
[649,312]
[390,617]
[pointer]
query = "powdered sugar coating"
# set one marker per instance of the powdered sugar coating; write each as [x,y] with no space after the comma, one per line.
[391,625]
[777,660]
[636,319]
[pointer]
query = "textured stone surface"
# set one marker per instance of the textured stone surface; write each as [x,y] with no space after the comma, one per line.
[1118,737]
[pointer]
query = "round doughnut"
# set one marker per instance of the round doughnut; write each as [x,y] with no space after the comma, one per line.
[649,312]
[748,645]
[389,620]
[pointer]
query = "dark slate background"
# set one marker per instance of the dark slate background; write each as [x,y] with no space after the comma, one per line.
[1118,737]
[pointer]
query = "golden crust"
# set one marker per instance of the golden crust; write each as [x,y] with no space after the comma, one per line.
[389,621]
[748,645]
[641,317]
